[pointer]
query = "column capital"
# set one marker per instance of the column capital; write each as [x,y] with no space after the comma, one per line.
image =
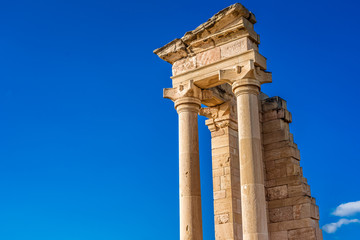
[188,95]
[220,116]
[245,77]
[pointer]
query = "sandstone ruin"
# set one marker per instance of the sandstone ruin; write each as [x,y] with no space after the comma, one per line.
[259,189]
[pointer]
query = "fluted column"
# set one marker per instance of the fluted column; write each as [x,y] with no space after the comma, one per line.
[187,103]
[246,81]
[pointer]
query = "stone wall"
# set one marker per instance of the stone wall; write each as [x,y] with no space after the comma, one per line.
[292,212]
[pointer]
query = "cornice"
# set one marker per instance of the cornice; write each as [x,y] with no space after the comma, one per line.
[230,23]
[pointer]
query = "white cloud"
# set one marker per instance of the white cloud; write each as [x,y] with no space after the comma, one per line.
[332,227]
[347,209]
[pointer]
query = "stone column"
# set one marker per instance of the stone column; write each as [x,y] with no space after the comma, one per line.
[246,81]
[187,103]
[251,166]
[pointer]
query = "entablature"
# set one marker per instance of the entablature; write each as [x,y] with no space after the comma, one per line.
[208,76]
[234,22]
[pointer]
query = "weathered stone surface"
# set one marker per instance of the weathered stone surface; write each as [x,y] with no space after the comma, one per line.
[273,103]
[223,218]
[219,194]
[274,125]
[219,28]
[224,231]
[276,173]
[302,234]
[208,57]
[294,224]
[277,114]
[276,136]
[301,189]
[172,51]
[281,214]
[235,47]
[184,65]
[279,153]
[283,235]
[275,193]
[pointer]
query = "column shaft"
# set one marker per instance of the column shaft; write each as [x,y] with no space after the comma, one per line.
[253,201]
[189,169]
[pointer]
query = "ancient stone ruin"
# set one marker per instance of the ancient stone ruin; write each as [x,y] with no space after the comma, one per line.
[259,189]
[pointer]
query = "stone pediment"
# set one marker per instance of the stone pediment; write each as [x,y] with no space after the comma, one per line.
[227,25]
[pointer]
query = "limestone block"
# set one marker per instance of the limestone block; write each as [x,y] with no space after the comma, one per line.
[293,170]
[225,182]
[222,206]
[269,116]
[237,207]
[270,183]
[274,125]
[184,65]
[288,161]
[301,189]
[302,234]
[276,136]
[275,193]
[316,212]
[238,231]
[279,153]
[235,164]
[220,141]
[302,211]
[276,173]
[219,132]
[237,218]
[289,167]
[269,165]
[221,160]
[219,194]
[281,214]
[291,225]
[229,193]
[208,57]
[289,202]
[281,144]
[294,180]
[233,132]
[273,103]
[225,140]
[283,235]
[235,182]
[319,235]
[215,152]
[233,141]
[222,218]
[277,114]
[224,231]
[236,47]
[235,192]
[218,172]
[216,184]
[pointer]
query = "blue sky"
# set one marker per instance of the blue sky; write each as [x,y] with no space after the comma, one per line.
[88,146]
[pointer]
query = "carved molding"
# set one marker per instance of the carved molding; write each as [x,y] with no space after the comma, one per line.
[220,116]
[246,70]
[187,90]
